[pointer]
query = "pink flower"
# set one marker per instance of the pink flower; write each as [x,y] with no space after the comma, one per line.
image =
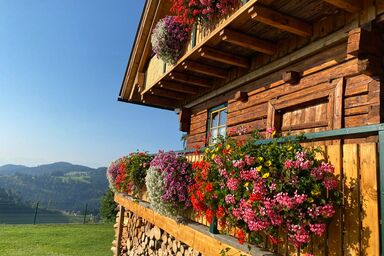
[327,210]
[318,229]
[271,130]
[230,199]
[249,160]
[330,183]
[232,183]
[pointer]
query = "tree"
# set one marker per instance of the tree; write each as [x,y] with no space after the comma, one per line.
[108,206]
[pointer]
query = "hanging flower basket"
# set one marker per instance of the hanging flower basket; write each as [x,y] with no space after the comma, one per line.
[169,39]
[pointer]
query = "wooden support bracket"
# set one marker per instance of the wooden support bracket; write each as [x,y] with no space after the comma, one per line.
[346,5]
[177,87]
[291,77]
[281,21]
[241,96]
[224,57]
[192,80]
[205,69]
[185,119]
[246,41]
[167,93]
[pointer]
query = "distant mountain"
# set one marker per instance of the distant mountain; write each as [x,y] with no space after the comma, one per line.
[10,169]
[60,185]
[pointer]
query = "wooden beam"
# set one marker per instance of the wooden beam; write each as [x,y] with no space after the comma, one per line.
[167,93]
[291,77]
[205,69]
[224,57]
[246,41]
[177,87]
[159,101]
[185,119]
[346,5]
[193,80]
[281,21]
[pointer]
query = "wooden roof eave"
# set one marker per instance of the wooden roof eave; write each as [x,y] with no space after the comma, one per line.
[242,11]
[151,7]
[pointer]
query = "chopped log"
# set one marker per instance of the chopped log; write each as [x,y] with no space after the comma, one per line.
[157,233]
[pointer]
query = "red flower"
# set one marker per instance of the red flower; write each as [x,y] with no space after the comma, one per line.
[209,187]
[240,235]
[209,215]
[255,197]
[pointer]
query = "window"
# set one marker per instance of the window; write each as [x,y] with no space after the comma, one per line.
[217,123]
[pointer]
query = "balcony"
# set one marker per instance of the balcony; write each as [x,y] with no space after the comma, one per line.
[229,47]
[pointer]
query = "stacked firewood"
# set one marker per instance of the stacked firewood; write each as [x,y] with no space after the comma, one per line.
[139,237]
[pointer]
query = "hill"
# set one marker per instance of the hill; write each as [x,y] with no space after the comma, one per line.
[61,186]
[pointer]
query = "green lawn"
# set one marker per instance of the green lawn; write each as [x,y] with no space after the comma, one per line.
[55,240]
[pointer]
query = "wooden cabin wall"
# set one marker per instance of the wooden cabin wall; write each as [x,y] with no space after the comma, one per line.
[333,92]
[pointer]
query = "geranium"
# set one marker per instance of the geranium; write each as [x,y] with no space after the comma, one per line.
[127,174]
[168,181]
[267,188]
[169,38]
[202,11]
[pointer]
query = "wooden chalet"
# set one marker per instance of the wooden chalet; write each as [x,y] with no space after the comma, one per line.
[312,67]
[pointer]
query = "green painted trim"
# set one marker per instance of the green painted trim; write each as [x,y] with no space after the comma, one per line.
[381,194]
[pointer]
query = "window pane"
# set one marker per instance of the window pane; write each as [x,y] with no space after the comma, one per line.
[222,131]
[215,119]
[214,133]
[223,117]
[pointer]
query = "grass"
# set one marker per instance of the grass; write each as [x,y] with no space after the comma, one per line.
[56,240]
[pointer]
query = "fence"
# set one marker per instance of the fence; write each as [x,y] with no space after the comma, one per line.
[37,213]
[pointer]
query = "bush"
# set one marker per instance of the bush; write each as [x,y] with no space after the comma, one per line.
[107,207]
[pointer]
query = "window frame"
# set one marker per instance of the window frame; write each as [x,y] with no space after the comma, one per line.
[218,109]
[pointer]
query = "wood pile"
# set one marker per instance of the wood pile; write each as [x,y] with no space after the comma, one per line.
[139,237]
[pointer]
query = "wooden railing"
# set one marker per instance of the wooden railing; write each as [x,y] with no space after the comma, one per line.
[356,228]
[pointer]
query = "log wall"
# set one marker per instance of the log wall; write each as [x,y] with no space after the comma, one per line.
[338,87]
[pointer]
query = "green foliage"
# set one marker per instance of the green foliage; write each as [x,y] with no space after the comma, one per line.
[107,207]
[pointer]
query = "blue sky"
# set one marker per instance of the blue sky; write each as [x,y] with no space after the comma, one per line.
[61,67]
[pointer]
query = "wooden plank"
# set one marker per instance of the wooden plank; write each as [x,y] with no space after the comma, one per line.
[281,21]
[205,69]
[306,125]
[177,87]
[193,235]
[346,5]
[192,80]
[369,197]
[338,103]
[351,200]
[335,229]
[224,57]
[246,41]
[120,229]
